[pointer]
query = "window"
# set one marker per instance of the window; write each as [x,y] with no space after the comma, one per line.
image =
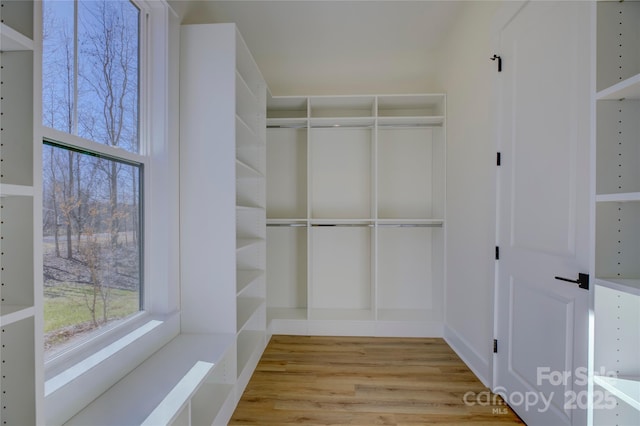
[92,168]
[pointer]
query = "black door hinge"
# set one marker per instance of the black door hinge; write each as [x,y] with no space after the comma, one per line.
[498,159]
[499,62]
[495,346]
[497,253]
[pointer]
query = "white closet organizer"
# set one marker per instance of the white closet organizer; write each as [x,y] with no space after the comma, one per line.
[355,208]
[223,199]
[617,198]
[19,391]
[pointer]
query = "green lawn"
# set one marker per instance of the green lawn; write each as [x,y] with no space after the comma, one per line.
[65,305]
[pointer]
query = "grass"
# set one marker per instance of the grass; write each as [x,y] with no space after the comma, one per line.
[65,305]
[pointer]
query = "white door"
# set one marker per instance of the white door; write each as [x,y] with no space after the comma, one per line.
[543,212]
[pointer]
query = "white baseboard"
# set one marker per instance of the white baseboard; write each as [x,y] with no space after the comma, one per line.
[469,355]
[356,328]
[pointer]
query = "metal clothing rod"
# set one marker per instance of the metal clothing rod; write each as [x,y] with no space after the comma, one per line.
[342,224]
[411,225]
[370,225]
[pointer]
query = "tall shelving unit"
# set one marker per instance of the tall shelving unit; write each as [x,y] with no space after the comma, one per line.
[223,199]
[616,303]
[356,208]
[20,370]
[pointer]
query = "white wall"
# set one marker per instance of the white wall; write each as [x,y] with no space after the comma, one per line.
[467,76]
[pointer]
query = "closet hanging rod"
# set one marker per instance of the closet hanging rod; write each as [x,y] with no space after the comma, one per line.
[411,225]
[286,126]
[344,224]
[370,225]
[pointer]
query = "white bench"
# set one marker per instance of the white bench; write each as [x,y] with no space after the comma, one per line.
[187,382]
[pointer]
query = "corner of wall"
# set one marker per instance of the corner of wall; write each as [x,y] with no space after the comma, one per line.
[466,75]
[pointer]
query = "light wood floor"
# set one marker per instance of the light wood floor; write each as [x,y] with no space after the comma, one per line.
[365,381]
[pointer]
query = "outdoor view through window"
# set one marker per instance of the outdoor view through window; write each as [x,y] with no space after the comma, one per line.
[92,239]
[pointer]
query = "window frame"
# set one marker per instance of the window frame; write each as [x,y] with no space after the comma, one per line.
[75,377]
[79,144]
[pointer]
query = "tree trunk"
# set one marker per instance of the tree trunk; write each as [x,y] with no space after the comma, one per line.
[114,222]
[69,196]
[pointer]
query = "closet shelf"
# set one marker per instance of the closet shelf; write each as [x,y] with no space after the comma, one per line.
[249,208]
[338,122]
[8,190]
[243,243]
[625,388]
[243,86]
[319,223]
[245,135]
[425,121]
[249,343]
[245,171]
[329,122]
[243,120]
[247,307]
[621,197]
[626,89]
[277,221]
[15,313]
[13,41]
[627,285]
[335,221]
[432,222]
[287,123]
[245,277]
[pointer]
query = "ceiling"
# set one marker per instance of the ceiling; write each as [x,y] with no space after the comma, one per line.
[310,47]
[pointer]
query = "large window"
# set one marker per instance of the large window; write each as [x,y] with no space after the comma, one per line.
[92,167]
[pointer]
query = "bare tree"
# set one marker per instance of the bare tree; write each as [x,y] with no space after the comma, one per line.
[110,73]
[91,90]
[58,111]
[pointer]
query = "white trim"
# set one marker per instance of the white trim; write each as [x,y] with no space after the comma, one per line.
[70,140]
[468,354]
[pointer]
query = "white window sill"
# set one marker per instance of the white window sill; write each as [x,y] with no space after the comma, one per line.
[70,390]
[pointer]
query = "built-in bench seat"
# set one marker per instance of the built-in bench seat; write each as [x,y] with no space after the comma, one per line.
[187,382]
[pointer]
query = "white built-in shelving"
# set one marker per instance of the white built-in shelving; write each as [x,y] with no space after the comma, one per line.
[616,301]
[223,200]
[20,311]
[355,214]
[196,386]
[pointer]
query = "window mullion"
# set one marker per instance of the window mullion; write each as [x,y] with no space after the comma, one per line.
[64,138]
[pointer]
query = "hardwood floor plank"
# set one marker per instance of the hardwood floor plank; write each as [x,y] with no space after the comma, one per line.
[320,380]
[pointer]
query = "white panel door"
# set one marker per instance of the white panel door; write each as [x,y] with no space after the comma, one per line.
[543,213]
